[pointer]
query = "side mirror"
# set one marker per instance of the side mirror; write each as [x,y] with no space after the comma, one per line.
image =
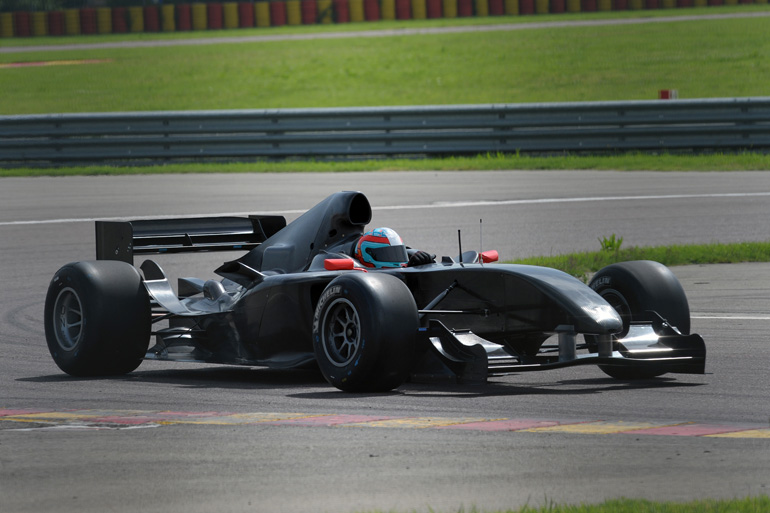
[489,256]
[339,264]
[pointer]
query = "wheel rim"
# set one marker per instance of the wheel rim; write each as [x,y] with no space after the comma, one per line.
[68,319]
[341,333]
[619,303]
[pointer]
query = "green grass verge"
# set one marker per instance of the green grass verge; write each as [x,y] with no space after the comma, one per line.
[626,162]
[760,504]
[700,58]
[582,265]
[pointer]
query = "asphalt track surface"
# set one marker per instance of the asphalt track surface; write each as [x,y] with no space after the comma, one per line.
[202,438]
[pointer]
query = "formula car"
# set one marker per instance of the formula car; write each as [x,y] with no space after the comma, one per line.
[297,298]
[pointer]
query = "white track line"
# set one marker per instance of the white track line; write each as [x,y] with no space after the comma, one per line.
[722,317]
[455,204]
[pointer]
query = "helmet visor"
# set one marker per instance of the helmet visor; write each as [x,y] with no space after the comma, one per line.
[396,254]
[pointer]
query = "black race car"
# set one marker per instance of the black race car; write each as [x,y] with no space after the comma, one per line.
[297,298]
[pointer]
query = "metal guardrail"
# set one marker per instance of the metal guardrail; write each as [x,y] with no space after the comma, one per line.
[656,125]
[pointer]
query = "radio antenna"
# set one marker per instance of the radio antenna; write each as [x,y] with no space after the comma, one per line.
[460,244]
[481,241]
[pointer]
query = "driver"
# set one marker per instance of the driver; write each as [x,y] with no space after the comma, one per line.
[382,247]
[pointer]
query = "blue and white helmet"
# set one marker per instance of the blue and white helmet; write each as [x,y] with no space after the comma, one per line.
[381,247]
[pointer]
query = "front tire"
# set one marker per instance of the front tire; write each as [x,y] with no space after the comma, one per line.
[97,318]
[635,288]
[364,332]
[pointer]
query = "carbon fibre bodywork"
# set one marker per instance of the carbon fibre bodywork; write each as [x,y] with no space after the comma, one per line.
[475,319]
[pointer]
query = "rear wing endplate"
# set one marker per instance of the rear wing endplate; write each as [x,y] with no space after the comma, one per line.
[121,240]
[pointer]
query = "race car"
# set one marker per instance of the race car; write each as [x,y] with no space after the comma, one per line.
[297,297]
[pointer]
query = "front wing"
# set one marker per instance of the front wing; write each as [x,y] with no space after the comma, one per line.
[649,349]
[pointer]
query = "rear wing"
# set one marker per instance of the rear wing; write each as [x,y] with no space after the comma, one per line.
[121,240]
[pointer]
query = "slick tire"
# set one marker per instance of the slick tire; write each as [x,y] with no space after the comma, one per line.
[364,332]
[635,288]
[97,318]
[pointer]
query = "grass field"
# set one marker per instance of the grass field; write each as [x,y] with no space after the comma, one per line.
[760,504]
[623,162]
[583,265]
[703,58]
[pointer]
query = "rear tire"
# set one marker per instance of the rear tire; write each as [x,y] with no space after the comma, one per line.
[97,318]
[633,289]
[364,332]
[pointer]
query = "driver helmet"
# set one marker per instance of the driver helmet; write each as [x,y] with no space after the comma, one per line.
[381,247]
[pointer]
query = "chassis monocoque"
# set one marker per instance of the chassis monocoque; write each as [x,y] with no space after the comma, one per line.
[296,298]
